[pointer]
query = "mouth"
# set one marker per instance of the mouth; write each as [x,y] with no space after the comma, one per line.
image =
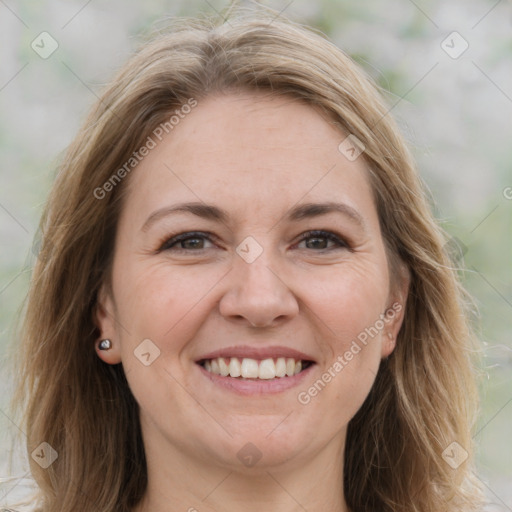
[245,368]
[253,371]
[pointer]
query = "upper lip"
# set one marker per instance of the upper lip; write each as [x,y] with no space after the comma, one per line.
[260,353]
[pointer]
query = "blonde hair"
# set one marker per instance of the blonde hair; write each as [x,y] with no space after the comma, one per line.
[424,397]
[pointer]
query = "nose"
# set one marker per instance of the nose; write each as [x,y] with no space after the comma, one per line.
[257,294]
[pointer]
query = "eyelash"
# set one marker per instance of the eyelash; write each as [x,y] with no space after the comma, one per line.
[168,243]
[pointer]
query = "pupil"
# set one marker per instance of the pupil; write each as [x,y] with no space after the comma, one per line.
[192,241]
[315,243]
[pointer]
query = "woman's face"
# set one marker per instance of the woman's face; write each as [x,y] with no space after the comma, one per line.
[244,179]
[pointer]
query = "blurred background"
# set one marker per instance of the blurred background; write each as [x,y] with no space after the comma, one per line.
[446,71]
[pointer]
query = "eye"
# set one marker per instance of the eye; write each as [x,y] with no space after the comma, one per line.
[190,241]
[195,241]
[319,239]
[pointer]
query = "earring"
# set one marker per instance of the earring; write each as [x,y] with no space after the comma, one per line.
[105,345]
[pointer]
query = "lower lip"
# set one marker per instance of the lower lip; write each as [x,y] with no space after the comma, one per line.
[257,386]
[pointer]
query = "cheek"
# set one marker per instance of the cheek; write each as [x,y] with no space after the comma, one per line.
[349,302]
[350,311]
[157,300]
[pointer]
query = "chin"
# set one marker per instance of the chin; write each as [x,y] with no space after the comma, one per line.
[270,446]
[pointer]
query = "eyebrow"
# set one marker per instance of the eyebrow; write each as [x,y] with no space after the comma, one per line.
[298,213]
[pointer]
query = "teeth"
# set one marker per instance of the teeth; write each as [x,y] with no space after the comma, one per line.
[280,367]
[224,368]
[252,368]
[215,366]
[234,367]
[249,369]
[267,369]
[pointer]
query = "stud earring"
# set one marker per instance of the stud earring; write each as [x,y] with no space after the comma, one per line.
[105,345]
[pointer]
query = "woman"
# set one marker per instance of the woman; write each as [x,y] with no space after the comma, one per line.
[242,298]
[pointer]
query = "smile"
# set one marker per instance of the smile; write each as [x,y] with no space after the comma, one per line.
[248,368]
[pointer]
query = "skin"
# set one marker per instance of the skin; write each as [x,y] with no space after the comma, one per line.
[256,156]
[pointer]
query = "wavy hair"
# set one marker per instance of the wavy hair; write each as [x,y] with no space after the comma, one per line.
[424,397]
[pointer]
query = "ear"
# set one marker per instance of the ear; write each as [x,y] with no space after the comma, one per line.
[104,318]
[395,312]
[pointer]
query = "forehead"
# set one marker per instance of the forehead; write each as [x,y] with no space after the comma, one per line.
[249,150]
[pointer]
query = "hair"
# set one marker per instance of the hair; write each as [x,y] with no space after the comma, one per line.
[425,394]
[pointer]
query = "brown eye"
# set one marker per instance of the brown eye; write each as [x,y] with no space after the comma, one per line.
[319,240]
[190,241]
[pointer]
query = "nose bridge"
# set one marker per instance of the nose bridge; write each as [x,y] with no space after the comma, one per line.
[257,291]
[260,276]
